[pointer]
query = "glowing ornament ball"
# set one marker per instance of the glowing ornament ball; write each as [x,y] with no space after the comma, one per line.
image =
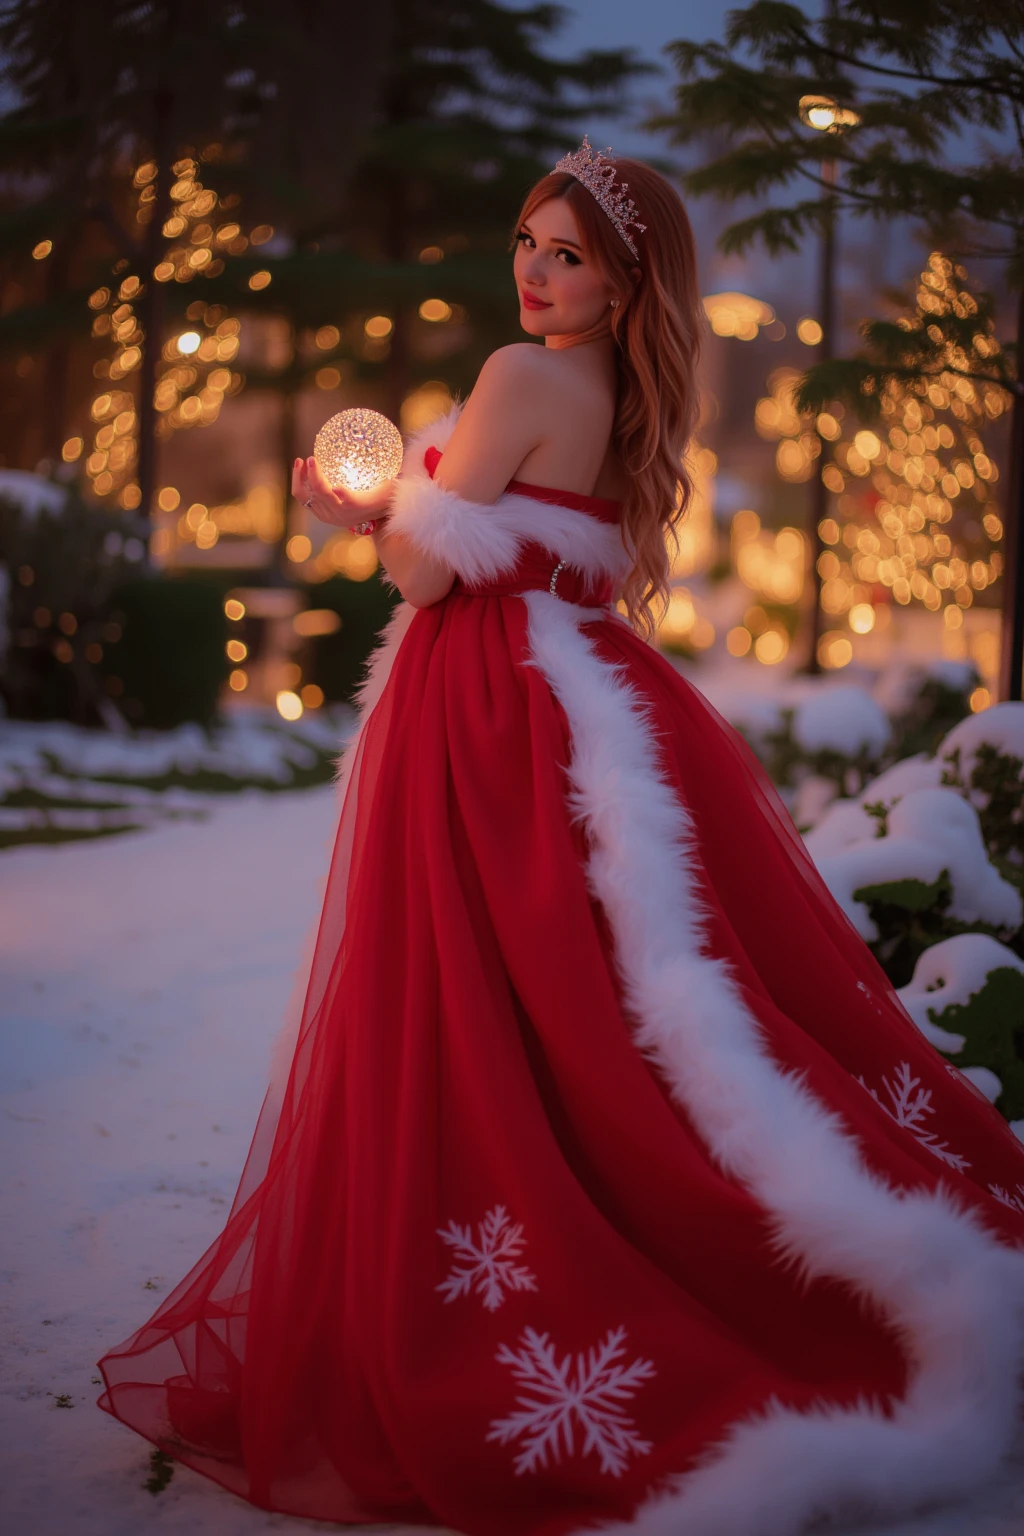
[358,449]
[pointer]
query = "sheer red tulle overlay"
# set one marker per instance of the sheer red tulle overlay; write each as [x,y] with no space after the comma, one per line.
[465,1058]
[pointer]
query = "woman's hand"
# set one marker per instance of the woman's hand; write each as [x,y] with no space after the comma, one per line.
[337,505]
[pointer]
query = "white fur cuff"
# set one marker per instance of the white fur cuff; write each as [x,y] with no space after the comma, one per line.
[481,541]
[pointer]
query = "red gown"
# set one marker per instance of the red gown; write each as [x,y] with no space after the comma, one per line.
[606,1183]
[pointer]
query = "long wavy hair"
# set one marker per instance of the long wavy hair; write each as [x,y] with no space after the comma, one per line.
[657,326]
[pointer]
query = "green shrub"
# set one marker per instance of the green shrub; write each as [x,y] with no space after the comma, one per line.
[337,662]
[62,566]
[995,787]
[930,716]
[169,664]
[919,726]
[911,915]
[788,761]
[992,1023]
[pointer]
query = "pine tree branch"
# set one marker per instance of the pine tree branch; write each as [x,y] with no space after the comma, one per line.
[947,82]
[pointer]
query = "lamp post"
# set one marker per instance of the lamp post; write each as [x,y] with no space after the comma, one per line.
[1011,647]
[828,117]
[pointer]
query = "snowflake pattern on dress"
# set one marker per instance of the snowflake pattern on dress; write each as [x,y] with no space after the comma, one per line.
[1013,1202]
[909,1105]
[486,1264]
[576,1401]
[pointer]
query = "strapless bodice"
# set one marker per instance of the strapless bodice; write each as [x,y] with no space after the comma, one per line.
[601,507]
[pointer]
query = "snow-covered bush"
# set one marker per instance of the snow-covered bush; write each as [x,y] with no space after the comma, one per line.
[838,734]
[834,738]
[983,758]
[60,781]
[932,847]
[967,996]
[924,701]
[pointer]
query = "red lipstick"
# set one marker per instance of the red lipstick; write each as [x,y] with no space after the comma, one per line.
[529,302]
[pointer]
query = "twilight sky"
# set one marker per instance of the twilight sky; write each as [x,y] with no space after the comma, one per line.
[646,25]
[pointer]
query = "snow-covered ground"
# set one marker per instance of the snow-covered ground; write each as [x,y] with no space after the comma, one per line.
[58,780]
[143,980]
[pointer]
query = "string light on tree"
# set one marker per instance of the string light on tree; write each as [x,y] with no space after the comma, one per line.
[918,522]
[737,314]
[358,449]
[194,377]
[777,419]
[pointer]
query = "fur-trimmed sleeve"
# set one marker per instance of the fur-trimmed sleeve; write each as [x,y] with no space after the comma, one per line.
[481,540]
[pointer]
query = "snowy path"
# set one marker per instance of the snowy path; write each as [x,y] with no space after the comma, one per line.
[143,979]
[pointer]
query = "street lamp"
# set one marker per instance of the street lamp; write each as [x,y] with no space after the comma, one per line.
[826,116]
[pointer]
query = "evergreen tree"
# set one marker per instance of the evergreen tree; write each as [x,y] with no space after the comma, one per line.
[102,89]
[402,224]
[470,111]
[914,520]
[407,280]
[924,103]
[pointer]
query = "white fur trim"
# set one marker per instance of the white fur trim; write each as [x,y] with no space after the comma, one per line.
[952,1290]
[480,541]
[367,694]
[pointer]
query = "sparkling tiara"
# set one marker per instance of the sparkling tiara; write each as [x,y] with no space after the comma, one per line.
[596,172]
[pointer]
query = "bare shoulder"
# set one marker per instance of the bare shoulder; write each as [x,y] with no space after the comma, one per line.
[515,364]
[538,377]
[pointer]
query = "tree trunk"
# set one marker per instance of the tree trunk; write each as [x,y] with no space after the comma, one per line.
[55,371]
[281,571]
[397,370]
[826,351]
[151,303]
[1011,650]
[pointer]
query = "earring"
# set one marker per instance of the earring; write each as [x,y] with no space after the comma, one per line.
[614,303]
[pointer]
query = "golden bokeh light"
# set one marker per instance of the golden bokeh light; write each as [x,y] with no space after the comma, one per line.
[435,310]
[298,548]
[316,621]
[862,618]
[737,314]
[809,331]
[772,646]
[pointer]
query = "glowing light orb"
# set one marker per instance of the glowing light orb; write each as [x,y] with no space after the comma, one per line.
[358,449]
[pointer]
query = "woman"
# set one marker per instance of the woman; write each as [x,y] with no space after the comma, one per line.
[607,1183]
